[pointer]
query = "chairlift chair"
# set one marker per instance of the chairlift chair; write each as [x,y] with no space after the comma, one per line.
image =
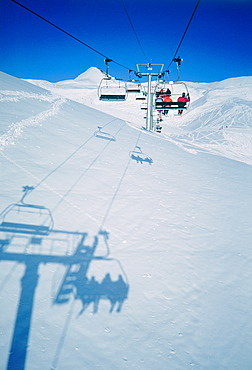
[143,93]
[141,97]
[112,89]
[176,89]
[144,106]
[134,86]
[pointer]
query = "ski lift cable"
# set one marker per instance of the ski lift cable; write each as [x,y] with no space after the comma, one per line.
[68,34]
[186,29]
[133,28]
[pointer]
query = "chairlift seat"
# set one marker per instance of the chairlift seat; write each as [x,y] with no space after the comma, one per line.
[133,90]
[160,105]
[109,97]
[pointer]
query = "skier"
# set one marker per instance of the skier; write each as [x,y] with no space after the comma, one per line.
[183,99]
[159,103]
[168,92]
[167,99]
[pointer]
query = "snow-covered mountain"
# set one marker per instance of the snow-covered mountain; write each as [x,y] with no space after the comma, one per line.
[130,249]
[88,79]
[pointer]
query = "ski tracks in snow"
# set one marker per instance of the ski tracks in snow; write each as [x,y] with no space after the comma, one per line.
[16,129]
[15,96]
[223,131]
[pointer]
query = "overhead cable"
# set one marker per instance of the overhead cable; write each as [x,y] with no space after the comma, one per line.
[68,34]
[182,38]
[133,28]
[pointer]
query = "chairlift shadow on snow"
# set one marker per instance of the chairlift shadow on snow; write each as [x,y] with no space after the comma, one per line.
[104,135]
[32,246]
[90,281]
[138,156]
[26,218]
[91,291]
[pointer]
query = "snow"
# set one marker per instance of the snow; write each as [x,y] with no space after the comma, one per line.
[170,212]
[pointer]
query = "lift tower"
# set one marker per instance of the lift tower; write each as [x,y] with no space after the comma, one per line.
[150,70]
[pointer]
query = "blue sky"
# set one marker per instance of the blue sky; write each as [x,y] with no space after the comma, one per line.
[217,45]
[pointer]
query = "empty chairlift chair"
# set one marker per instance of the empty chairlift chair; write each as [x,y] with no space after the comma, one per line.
[134,86]
[112,89]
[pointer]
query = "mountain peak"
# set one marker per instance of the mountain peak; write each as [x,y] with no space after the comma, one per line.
[92,75]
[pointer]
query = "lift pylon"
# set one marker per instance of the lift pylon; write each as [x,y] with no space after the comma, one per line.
[150,70]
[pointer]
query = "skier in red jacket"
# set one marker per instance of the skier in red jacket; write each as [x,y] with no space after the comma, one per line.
[167,99]
[183,99]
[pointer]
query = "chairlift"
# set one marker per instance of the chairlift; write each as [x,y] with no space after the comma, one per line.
[158,128]
[26,218]
[112,89]
[144,106]
[141,96]
[143,93]
[133,86]
[173,89]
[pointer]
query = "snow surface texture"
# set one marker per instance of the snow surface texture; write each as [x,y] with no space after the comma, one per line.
[170,213]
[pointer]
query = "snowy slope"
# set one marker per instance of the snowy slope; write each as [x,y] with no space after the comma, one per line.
[171,213]
[221,120]
[84,89]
